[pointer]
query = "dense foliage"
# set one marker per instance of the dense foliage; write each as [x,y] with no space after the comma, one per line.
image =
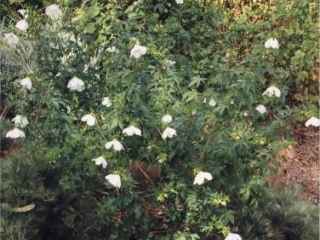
[166,95]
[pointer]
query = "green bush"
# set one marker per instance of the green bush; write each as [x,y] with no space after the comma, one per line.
[282,216]
[200,65]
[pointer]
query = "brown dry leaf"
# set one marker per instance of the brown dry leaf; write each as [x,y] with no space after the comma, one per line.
[26,208]
[287,153]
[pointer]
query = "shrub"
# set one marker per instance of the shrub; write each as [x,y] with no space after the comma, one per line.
[282,216]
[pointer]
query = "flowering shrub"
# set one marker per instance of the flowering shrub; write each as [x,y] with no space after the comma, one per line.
[142,121]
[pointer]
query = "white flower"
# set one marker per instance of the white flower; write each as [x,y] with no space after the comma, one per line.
[202,177]
[246,114]
[131,130]
[23,13]
[100,161]
[64,59]
[26,83]
[166,119]
[261,109]
[76,84]
[20,121]
[115,145]
[272,91]
[89,119]
[168,133]
[179,1]
[169,63]
[138,51]
[212,103]
[114,180]
[86,68]
[233,236]
[112,49]
[313,121]
[106,102]
[93,61]
[53,11]
[22,25]
[11,39]
[15,133]
[271,43]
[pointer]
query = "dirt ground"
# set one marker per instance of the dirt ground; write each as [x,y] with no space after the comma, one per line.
[299,164]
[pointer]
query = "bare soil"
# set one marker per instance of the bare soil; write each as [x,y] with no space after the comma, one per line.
[299,164]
